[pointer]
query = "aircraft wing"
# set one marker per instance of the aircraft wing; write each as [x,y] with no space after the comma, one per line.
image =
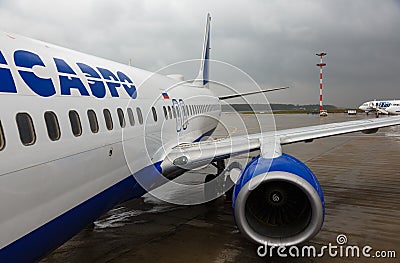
[383,111]
[193,155]
[305,134]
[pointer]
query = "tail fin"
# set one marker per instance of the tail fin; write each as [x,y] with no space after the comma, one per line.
[202,78]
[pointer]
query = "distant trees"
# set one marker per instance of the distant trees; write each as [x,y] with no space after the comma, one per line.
[275,107]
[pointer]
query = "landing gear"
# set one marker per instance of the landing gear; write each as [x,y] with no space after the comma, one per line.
[210,190]
[220,165]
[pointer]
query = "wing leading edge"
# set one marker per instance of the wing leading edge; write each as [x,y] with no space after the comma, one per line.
[190,156]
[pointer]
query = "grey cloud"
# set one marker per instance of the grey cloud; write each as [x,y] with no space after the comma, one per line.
[273,41]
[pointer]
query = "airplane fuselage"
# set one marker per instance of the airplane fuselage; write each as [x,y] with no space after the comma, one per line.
[77,133]
[394,108]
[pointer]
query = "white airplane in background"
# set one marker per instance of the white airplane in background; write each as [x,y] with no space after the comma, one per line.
[63,162]
[381,106]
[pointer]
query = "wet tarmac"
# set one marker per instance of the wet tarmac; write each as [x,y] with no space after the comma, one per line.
[359,174]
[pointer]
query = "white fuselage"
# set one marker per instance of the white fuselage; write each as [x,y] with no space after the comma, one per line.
[382,106]
[394,108]
[59,183]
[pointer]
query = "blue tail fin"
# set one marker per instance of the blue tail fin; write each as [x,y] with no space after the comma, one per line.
[202,77]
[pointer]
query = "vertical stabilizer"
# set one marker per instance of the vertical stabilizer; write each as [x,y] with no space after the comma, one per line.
[202,78]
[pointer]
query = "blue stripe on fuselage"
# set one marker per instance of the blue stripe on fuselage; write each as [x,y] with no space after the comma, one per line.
[51,235]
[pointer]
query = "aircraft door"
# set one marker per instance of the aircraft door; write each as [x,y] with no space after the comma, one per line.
[184,114]
[177,114]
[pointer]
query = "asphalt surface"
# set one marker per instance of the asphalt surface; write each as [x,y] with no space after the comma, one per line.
[359,174]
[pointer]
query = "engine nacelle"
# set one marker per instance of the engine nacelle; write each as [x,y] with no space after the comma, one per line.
[278,202]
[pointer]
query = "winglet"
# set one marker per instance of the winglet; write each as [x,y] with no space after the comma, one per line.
[202,78]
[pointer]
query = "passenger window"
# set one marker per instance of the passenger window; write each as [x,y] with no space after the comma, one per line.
[165,113]
[108,119]
[139,114]
[94,125]
[121,118]
[154,113]
[53,128]
[26,129]
[170,112]
[75,123]
[131,117]
[2,139]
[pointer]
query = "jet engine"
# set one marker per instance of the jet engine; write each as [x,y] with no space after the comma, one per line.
[278,202]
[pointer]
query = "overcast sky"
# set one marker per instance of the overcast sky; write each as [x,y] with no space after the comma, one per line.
[273,41]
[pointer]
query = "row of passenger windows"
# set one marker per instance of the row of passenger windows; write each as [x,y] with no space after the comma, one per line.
[189,110]
[27,132]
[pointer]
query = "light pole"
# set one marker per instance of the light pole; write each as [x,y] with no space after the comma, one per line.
[321,65]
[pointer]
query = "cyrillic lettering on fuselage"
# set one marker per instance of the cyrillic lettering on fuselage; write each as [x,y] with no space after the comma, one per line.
[94,82]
